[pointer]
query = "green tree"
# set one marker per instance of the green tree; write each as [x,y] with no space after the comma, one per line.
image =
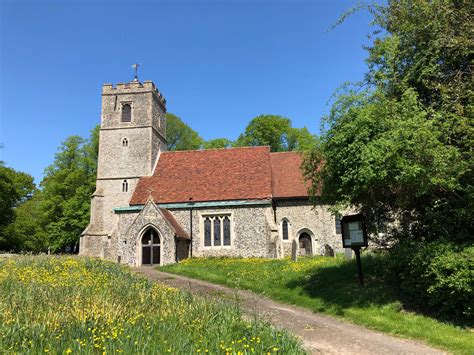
[428,48]
[277,132]
[27,230]
[180,136]
[402,149]
[15,188]
[301,139]
[59,211]
[66,189]
[217,143]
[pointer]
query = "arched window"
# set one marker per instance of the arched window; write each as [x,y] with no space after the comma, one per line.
[125,186]
[226,230]
[126,113]
[125,142]
[207,232]
[151,247]
[217,232]
[284,229]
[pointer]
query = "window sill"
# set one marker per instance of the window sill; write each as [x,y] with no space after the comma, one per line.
[217,247]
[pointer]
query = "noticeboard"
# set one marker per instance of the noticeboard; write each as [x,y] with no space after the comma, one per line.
[354,233]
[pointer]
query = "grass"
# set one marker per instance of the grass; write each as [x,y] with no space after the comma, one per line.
[65,305]
[329,285]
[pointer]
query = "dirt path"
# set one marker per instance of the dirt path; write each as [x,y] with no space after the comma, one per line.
[319,333]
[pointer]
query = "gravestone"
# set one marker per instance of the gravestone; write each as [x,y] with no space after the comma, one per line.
[328,251]
[294,250]
[348,253]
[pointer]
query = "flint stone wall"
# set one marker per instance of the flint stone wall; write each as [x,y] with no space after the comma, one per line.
[132,226]
[317,221]
[250,232]
[116,162]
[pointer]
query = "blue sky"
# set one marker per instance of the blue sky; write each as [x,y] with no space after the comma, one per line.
[218,63]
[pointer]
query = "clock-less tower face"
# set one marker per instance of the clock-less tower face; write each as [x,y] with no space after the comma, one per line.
[132,134]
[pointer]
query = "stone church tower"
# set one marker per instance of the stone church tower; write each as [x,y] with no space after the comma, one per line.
[132,136]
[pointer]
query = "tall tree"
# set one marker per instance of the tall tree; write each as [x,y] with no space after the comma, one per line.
[15,188]
[66,189]
[27,230]
[180,136]
[59,211]
[402,149]
[275,131]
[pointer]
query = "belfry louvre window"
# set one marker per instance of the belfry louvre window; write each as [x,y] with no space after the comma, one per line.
[126,113]
[217,230]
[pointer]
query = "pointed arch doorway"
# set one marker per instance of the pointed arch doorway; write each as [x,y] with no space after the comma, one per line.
[151,247]
[305,244]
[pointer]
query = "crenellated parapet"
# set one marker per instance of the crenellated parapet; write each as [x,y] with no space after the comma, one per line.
[134,87]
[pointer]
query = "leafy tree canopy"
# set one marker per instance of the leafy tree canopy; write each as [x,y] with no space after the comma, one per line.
[59,212]
[277,132]
[402,149]
[15,188]
[180,136]
[217,143]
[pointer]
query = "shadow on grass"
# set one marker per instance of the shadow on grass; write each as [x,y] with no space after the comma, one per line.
[338,285]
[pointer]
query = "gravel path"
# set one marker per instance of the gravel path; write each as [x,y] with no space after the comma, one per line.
[319,333]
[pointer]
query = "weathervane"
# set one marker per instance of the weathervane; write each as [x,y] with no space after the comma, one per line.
[135,67]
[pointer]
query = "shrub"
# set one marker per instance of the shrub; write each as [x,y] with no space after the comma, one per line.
[437,277]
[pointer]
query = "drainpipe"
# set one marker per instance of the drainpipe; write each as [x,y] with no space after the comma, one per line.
[191,225]
[274,206]
[176,243]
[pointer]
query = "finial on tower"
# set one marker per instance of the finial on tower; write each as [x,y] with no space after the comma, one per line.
[135,67]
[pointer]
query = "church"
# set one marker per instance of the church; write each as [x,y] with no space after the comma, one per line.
[155,207]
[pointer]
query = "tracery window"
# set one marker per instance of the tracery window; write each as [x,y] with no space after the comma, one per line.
[217,230]
[125,142]
[125,186]
[127,112]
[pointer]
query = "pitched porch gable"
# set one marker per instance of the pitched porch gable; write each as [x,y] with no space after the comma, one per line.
[163,223]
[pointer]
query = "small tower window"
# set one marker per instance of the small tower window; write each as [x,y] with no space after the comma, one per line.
[125,186]
[126,113]
[125,142]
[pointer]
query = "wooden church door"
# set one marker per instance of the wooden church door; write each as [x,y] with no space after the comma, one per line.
[151,248]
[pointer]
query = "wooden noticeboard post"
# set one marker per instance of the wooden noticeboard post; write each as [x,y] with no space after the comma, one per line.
[354,236]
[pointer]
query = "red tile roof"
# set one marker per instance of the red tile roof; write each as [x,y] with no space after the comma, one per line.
[250,173]
[287,179]
[180,232]
[208,175]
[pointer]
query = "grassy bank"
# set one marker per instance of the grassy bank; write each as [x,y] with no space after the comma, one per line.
[67,305]
[329,285]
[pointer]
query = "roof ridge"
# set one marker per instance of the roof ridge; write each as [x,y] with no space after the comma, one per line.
[211,149]
[287,152]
